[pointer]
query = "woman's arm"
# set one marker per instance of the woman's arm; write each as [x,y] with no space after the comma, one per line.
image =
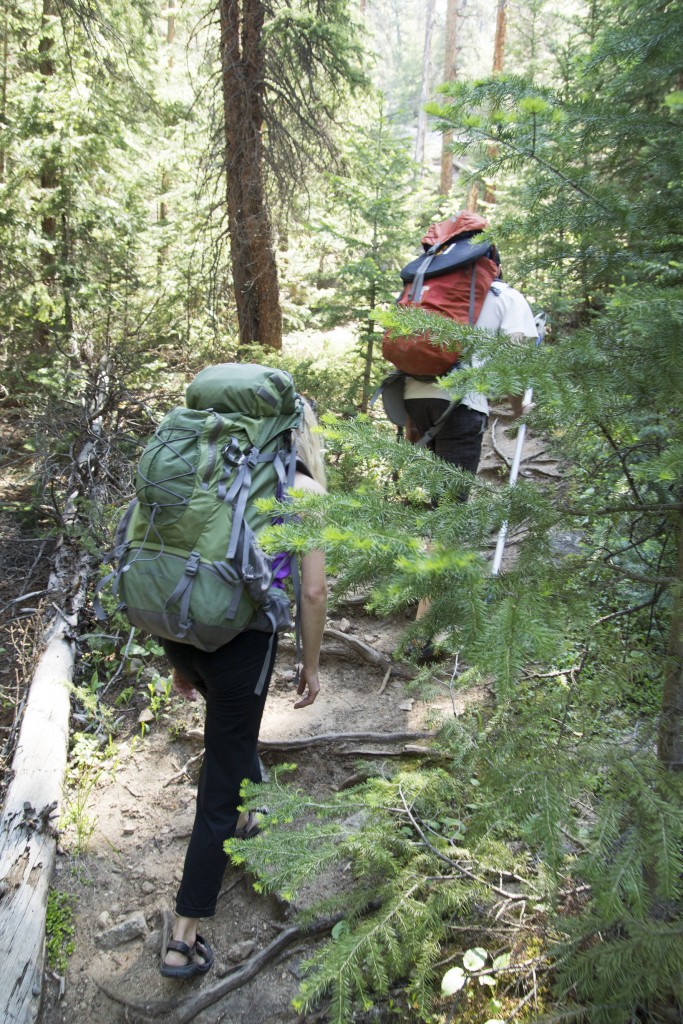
[313,609]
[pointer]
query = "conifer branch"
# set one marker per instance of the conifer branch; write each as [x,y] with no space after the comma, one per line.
[612,510]
[622,461]
[458,865]
[627,611]
[529,154]
[640,577]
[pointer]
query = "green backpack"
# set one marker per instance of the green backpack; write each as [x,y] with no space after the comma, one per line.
[188,563]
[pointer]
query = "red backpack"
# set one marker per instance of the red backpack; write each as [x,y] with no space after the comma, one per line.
[451,278]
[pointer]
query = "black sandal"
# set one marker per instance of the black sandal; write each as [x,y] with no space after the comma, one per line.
[192,967]
[250,828]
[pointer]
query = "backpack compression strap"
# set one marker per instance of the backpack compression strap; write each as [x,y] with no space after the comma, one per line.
[285,482]
[417,287]
[436,428]
[237,494]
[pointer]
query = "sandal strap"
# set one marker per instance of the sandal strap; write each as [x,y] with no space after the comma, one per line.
[181,947]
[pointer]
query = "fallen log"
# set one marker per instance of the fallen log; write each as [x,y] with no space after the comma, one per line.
[27,834]
[28,840]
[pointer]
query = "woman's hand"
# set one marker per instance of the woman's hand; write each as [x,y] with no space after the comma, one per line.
[309,686]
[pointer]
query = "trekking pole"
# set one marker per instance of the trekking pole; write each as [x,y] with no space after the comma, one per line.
[516,460]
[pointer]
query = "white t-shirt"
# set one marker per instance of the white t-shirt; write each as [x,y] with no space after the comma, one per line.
[504,309]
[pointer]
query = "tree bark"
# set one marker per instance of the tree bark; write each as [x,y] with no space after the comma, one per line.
[473,197]
[670,740]
[424,90]
[449,73]
[253,261]
[501,32]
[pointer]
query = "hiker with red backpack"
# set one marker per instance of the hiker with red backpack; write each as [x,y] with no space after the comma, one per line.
[459,277]
[190,571]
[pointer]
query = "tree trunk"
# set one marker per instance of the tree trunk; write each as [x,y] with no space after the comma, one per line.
[498,62]
[449,73]
[424,90]
[48,183]
[170,22]
[501,32]
[473,197]
[253,261]
[3,89]
[670,740]
[369,354]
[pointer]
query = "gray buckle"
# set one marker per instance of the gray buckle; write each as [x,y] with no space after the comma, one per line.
[192,564]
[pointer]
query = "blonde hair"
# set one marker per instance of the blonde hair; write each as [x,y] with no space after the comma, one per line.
[309,447]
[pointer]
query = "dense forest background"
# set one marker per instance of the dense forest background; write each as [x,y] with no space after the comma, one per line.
[204,181]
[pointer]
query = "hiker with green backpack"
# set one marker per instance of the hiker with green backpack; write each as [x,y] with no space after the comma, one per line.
[190,570]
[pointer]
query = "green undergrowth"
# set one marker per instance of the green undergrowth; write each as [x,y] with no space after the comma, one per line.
[557,859]
[60,930]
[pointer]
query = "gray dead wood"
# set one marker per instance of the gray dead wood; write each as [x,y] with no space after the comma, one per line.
[27,835]
[28,840]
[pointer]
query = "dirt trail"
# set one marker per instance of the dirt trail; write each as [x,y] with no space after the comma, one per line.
[142,809]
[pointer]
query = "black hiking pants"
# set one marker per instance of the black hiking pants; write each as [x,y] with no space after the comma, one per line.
[460,439]
[226,678]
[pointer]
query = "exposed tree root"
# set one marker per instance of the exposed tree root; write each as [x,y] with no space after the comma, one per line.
[329,738]
[343,642]
[177,1011]
[345,737]
[183,770]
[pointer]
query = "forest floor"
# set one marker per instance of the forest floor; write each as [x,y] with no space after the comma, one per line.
[129,815]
